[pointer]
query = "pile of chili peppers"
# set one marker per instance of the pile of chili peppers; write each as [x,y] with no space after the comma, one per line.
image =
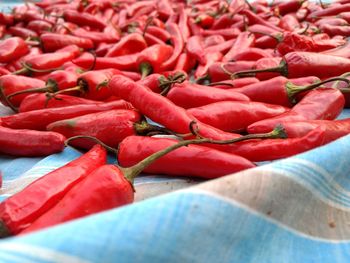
[222,74]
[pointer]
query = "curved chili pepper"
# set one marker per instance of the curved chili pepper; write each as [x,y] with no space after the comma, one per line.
[217,163]
[195,48]
[48,61]
[223,71]
[253,54]
[110,127]
[332,21]
[335,30]
[83,19]
[185,63]
[300,64]
[39,26]
[234,83]
[255,19]
[202,70]
[129,44]
[335,10]
[52,41]
[187,95]
[30,143]
[288,6]
[12,48]
[235,116]
[40,101]
[243,41]
[178,43]
[152,59]
[160,109]
[289,23]
[223,21]
[183,22]
[96,37]
[11,83]
[22,32]
[39,119]
[227,33]
[23,208]
[319,104]
[213,40]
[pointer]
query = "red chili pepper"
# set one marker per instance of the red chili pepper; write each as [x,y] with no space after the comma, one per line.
[223,21]
[213,40]
[48,61]
[46,3]
[4,71]
[183,22]
[290,6]
[330,11]
[45,100]
[300,64]
[39,26]
[178,43]
[51,42]
[243,41]
[158,32]
[332,21]
[184,161]
[126,62]
[83,19]
[110,127]
[129,44]
[22,209]
[96,37]
[6,19]
[187,95]
[234,83]
[22,32]
[202,70]
[222,48]
[235,116]
[253,54]
[289,23]
[10,84]
[319,104]
[185,63]
[152,59]
[227,33]
[195,48]
[335,30]
[30,143]
[12,48]
[255,19]
[342,51]
[158,83]
[39,119]
[160,109]
[205,20]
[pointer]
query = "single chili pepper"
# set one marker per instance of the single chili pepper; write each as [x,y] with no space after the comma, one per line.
[110,127]
[114,188]
[30,143]
[125,62]
[252,54]
[17,64]
[255,19]
[56,81]
[243,41]
[39,119]
[39,26]
[23,208]
[83,19]
[227,33]
[187,95]
[272,149]
[290,6]
[300,64]
[234,83]
[235,116]
[332,21]
[177,163]
[95,37]
[341,51]
[222,48]
[335,10]
[22,32]
[213,40]
[334,129]
[52,41]
[195,48]
[129,44]
[205,20]
[185,63]
[47,100]
[11,83]
[328,44]
[202,70]
[223,21]
[134,7]
[164,9]
[295,42]
[335,30]
[6,19]
[262,30]
[289,23]
[319,104]
[152,59]
[12,48]
[266,41]
[158,32]
[48,61]
[177,42]
[46,3]
[151,39]
[160,109]
[183,22]
[223,71]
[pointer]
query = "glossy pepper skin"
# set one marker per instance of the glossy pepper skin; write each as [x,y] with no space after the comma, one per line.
[103,189]
[194,160]
[235,115]
[110,127]
[53,41]
[39,119]
[20,210]
[129,44]
[187,95]
[30,143]
[12,48]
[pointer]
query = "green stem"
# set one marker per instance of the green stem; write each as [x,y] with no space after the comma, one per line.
[51,87]
[145,69]
[131,172]
[8,102]
[112,150]
[282,69]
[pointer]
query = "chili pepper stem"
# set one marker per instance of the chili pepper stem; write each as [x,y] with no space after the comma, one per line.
[282,69]
[51,87]
[9,103]
[66,142]
[145,69]
[76,88]
[131,172]
[22,71]
[144,128]
[292,89]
